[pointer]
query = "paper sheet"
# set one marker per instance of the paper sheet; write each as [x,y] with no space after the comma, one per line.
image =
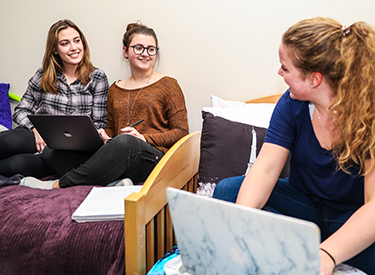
[104,204]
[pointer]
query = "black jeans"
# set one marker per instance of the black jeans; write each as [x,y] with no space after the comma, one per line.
[124,156]
[17,148]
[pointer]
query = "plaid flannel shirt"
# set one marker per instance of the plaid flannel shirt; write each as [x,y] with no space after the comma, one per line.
[73,99]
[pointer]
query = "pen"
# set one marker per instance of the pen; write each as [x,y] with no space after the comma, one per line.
[135,123]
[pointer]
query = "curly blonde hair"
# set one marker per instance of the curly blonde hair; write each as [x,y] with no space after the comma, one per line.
[345,56]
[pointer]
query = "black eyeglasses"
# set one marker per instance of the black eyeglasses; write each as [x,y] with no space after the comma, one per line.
[139,49]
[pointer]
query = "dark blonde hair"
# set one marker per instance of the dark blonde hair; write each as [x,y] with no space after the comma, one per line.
[345,56]
[137,28]
[52,62]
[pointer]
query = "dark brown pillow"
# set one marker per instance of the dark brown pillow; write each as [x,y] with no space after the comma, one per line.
[225,150]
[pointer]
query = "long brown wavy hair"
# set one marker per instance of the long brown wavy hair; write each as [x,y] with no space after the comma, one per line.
[345,56]
[52,62]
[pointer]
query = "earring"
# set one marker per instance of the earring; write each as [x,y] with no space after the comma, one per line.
[312,86]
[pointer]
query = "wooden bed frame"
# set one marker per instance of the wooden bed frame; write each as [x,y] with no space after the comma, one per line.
[148,228]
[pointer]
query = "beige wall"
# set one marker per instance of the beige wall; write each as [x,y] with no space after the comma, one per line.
[223,47]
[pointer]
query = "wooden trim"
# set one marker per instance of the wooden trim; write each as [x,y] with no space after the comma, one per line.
[169,238]
[150,248]
[160,234]
[266,99]
[135,235]
[146,208]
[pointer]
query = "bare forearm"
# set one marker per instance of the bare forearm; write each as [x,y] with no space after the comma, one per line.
[252,193]
[354,236]
[262,177]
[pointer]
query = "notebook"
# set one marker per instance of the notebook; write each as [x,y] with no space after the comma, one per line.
[217,237]
[67,132]
[104,204]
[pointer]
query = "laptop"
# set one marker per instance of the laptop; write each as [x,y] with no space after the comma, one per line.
[217,237]
[68,132]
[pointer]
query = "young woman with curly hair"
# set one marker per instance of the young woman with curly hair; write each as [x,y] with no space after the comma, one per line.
[326,121]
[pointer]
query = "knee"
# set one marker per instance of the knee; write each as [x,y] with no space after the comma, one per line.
[19,164]
[47,154]
[124,142]
[227,189]
[16,141]
[221,189]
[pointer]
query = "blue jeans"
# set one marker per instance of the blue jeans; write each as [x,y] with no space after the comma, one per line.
[287,200]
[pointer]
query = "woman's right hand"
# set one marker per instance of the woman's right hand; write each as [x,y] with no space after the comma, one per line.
[326,264]
[39,141]
[103,135]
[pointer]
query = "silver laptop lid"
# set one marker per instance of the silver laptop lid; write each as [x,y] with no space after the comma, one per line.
[217,237]
[67,132]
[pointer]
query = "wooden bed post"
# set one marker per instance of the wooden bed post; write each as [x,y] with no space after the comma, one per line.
[148,228]
[135,234]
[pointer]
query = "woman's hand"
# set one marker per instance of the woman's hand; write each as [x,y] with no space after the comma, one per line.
[132,131]
[326,264]
[39,142]
[103,135]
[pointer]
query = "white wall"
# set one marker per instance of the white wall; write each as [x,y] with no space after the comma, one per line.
[223,47]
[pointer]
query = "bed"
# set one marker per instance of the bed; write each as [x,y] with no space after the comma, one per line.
[38,236]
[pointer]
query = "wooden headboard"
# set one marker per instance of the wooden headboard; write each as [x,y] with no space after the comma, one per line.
[148,227]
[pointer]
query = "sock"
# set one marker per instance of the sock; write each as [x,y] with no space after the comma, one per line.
[122,182]
[36,183]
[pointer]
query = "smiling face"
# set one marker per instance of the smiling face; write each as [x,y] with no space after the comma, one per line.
[69,47]
[141,61]
[299,85]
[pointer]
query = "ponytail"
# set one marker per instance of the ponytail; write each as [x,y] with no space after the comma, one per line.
[354,104]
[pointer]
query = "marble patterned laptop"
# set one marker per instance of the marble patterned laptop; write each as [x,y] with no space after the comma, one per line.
[217,237]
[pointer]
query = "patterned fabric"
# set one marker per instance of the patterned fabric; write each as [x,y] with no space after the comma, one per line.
[73,99]
[161,105]
[158,268]
[5,112]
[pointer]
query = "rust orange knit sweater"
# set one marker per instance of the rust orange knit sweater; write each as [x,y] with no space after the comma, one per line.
[161,105]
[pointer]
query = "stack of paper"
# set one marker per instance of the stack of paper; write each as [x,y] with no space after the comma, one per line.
[104,204]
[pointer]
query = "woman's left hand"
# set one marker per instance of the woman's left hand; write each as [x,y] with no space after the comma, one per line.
[132,131]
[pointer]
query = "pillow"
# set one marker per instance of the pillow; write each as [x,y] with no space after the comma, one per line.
[5,111]
[218,102]
[242,112]
[228,148]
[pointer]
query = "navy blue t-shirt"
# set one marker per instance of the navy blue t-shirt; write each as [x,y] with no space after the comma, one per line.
[313,169]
